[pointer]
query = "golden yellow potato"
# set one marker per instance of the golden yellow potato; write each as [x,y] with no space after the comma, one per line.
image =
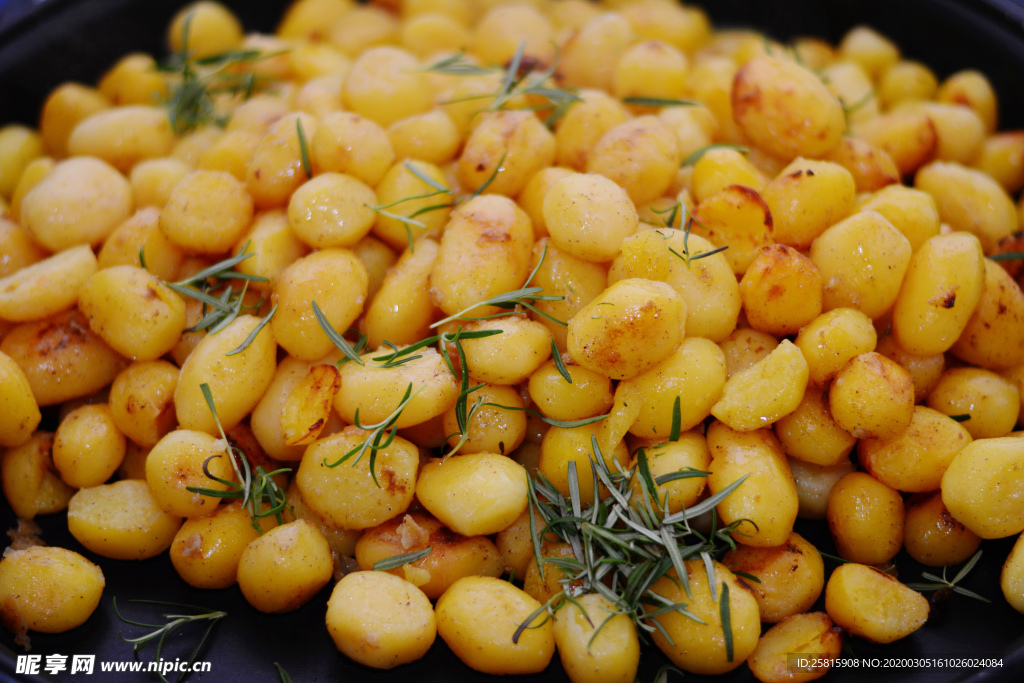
[139,316]
[744,347]
[791,576]
[588,215]
[142,401]
[915,459]
[19,412]
[969,200]
[640,155]
[1001,156]
[68,104]
[19,145]
[707,284]
[18,248]
[862,260]
[376,391]
[142,233]
[236,382]
[990,401]
[701,647]
[285,567]
[980,488]
[736,217]
[942,286]
[910,211]
[30,480]
[806,198]
[61,357]
[380,620]
[694,374]
[873,605]
[589,393]
[212,29]
[720,167]
[337,281]
[205,551]
[590,655]
[814,483]
[632,325]
[123,136]
[561,445]
[46,287]
[345,493]
[123,520]
[871,167]
[785,109]
[508,146]
[872,397]
[497,426]
[763,393]
[932,536]
[307,408]
[385,85]
[866,519]
[452,556]
[909,137]
[275,169]
[781,290]
[811,634]
[689,451]
[80,202]
[924,370]
[485,251]
[478,616]
[207,212]
[994,335]
[768,495]
[510,357]
[47,589]
[1011,579]
[88,447]
[810,434]
[177,462]
[959,131]
[473,494]
[331,210]
[578,281]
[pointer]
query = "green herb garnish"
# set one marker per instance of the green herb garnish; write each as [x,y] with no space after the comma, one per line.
[398,560]
[307,165]
[260,494]
[161,632]
[942,583]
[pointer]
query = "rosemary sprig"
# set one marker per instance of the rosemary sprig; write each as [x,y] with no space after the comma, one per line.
[518,79]
[696,156]
[673,434]
[622,546]
[409,222]
[456,65]
[190,104]
[658,102]
[261,496]
[961,418]
[556,355]
[401,356]
[524,297]
[307,165]
[1008,256]
[351,353]
[161,632]
[222,302]
[285,678]
[380,437]
[688,221]
[397,561]
[942,583]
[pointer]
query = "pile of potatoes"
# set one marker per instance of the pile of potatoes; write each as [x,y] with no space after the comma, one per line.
[799,257]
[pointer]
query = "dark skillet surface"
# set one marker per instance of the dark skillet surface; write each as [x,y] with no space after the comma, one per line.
[41,46]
